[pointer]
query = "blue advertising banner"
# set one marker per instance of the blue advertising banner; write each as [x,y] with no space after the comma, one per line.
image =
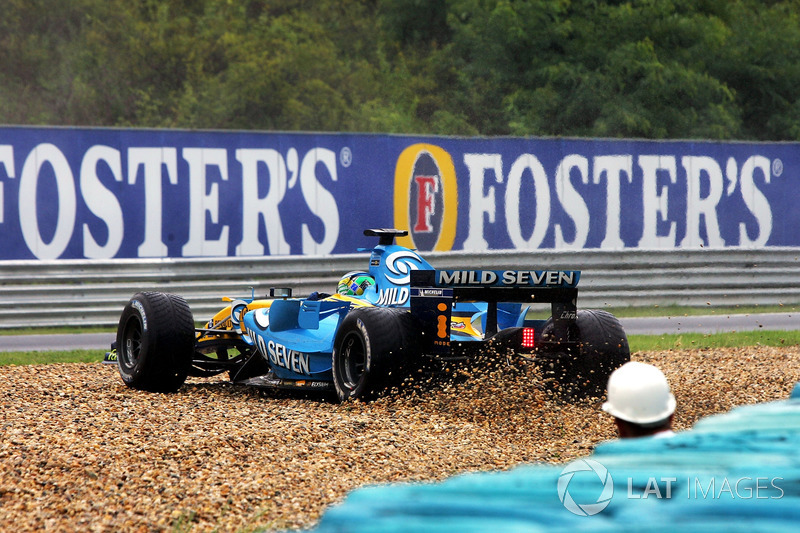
[72,193]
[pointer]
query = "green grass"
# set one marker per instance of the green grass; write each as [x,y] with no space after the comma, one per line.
[638,343]
[49,357]
[542,311]
[646,343]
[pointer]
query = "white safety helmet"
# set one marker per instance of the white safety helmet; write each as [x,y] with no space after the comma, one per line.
[639,393]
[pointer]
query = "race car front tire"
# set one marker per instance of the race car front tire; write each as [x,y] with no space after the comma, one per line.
[371,347]
[155,342]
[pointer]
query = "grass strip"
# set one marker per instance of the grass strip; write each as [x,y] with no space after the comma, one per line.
[687,341]
[51,357]
[638,343]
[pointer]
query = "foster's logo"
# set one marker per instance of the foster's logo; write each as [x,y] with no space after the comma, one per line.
[426,197]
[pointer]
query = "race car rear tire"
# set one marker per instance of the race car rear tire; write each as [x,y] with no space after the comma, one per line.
[370,350]
[155,342]
[603,347]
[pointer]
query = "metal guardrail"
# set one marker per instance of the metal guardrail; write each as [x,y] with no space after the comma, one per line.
[93,292]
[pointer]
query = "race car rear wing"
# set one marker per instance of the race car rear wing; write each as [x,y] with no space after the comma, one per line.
[433,293]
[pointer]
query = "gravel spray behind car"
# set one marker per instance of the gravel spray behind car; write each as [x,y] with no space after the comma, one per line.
[398,315]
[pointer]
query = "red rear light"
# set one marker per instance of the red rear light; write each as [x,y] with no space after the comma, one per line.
[528,338]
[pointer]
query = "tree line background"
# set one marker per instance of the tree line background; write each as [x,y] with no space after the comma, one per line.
[710,69]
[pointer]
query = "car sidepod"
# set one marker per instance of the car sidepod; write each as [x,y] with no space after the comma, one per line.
[295,337]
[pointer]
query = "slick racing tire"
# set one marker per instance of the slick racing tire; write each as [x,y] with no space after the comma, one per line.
[155,342]
[603,347]
[370,350]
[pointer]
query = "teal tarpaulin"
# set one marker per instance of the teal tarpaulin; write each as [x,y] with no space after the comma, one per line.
[738,471]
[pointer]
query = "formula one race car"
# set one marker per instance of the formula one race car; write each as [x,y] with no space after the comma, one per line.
[380,325]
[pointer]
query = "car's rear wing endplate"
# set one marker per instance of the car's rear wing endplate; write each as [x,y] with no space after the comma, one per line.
[433,293]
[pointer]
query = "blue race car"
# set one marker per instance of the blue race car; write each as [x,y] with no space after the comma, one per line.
[383,323]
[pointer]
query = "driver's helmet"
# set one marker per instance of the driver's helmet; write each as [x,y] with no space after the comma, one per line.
[355,283]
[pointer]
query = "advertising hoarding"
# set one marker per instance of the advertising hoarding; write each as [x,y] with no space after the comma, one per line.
[84,193]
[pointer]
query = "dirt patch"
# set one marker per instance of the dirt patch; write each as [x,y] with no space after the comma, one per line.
[81,452]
